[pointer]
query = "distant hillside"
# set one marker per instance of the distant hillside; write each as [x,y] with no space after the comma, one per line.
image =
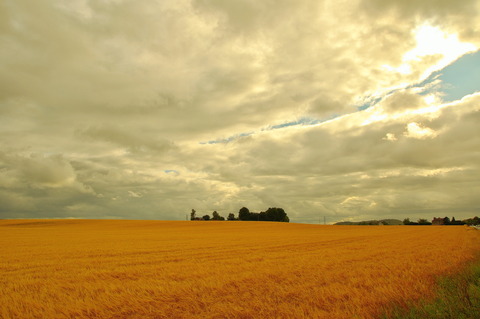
[373,222]
[392,222]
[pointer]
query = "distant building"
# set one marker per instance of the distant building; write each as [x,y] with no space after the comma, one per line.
[438,221]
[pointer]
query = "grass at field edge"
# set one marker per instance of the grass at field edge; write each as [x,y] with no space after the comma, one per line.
[457,297]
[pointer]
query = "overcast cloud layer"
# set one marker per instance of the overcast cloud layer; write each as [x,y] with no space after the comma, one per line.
[147,109]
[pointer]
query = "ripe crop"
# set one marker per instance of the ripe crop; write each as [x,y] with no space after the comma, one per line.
[188,269]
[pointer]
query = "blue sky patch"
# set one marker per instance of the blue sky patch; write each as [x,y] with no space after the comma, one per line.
[461,77]
[458,79]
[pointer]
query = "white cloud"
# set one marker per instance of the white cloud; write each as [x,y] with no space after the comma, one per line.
[433,42]
[390,137]
[415,130]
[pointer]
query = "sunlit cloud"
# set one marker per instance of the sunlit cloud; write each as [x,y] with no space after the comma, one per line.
[432,41]
[415,130]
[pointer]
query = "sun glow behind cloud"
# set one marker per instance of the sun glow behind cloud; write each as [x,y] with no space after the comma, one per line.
[432,41]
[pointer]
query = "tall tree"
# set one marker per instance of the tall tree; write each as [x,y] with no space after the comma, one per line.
[244,214]
[276,214]
[216,216]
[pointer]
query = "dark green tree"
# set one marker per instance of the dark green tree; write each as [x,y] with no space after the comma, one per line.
[192,214]
[244,214]
[423,221]
[206,217]
[262,216]
[277,215]
[216,216]
[254,216]
[231,216]
[456,222]
[472,221]
[406,221]
[272,214]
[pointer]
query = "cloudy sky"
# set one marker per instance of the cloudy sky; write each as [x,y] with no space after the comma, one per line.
[350,109]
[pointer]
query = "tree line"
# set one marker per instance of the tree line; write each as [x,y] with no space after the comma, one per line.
[444,221]
[273,214]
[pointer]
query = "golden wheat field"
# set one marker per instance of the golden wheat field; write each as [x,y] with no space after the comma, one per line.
[183,269]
